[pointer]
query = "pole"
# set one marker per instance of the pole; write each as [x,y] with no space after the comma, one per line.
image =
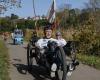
[35,15]
[55,21]
[34,8]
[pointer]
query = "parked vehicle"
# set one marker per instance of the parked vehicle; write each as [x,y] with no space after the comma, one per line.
[18,37]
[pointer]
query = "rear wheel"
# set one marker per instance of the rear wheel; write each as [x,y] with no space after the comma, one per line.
[62,70]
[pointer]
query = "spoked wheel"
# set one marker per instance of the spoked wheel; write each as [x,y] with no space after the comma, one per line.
[37,55]
[62,68]
[29,57]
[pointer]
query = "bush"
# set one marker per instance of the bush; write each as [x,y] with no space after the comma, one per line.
[27,34]
[90,60]
[89,40]
[3,62]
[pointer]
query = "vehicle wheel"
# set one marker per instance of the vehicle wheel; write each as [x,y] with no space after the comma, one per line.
[14,41]
[37,56]
[62,69]
[29,57]
[21,42]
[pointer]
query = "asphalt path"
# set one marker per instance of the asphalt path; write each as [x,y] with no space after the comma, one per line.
[18,69]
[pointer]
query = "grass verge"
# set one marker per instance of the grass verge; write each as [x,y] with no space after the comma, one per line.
[93,61]
[3,62]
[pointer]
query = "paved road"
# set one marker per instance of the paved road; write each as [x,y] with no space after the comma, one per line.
[18,67]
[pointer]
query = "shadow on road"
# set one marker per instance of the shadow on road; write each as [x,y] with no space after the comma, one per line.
[21,68]
[11,43]
[39,73]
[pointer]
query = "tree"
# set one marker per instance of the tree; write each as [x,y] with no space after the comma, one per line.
[84,17]
[94,7]
[5,4]
[63,15]
[13,16]
[72,17]
[94,4]
[5,24]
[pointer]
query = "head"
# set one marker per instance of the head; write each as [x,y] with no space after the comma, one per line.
[48,31]
[58,35]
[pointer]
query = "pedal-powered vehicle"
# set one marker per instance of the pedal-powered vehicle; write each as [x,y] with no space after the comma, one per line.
[52,54]
[18,37]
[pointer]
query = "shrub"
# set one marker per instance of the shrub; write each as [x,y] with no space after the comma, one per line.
[89,40]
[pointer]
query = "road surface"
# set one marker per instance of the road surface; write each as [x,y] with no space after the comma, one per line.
[18,67]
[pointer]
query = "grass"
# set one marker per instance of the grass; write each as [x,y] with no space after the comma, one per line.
[3,62]
[91,60]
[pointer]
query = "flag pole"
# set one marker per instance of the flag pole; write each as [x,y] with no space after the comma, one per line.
[55,22]
[52,15]
[36,30]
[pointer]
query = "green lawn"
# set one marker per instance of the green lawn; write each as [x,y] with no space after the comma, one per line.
[3,62]
[93,61]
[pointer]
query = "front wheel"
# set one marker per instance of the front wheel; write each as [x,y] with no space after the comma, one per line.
[62,68]
[29,57]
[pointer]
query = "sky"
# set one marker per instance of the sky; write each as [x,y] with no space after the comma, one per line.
[41,7]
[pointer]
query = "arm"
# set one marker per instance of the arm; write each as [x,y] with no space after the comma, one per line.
[41,43]
[38,44]
[62,42]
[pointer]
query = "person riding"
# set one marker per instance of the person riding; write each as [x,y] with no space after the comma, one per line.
[43,42]
[62,42]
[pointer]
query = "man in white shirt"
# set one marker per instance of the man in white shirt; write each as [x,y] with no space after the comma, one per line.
[41,43]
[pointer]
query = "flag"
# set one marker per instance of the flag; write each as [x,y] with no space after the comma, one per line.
[51,14]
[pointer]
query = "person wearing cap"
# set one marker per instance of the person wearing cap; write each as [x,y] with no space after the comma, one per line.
[61,41]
